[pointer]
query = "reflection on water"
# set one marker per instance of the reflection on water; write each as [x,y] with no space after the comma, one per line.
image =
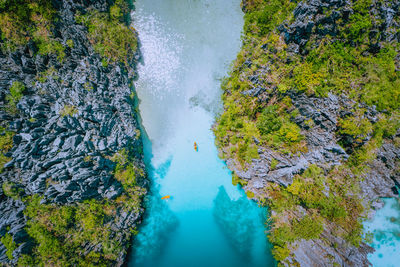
[386,230]
[162,170]
[159,221]
[202,100]
[237,219]
[187,46]
[153,235]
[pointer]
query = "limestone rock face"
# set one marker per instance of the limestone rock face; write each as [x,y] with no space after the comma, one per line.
[314,20]
[68,125]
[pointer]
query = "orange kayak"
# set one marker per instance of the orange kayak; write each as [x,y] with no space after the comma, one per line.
[195,146]
[166,197]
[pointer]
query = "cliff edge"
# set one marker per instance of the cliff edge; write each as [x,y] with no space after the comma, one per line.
[310,125]
[72,172]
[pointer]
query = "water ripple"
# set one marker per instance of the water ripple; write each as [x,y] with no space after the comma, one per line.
[161,48]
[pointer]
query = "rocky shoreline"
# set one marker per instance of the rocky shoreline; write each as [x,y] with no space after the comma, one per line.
[74,120]
[320,153]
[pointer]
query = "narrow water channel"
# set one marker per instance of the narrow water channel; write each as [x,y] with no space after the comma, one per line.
[187,47]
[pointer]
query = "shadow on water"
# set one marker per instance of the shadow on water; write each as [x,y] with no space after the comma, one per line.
[180,94]
[237,220]
[158,221]
[202,100]
[157,226]
[162,170]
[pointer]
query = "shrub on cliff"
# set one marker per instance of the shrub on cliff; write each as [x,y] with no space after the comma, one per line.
[6,142]
[9,244]
[329,53]
[64,234]
[23,20]
[109,34]
[12,190]
[79,234]
[268,122]
[266,15]
[16,93]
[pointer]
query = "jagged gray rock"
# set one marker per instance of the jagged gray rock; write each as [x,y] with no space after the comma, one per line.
[316,19]
[65,157]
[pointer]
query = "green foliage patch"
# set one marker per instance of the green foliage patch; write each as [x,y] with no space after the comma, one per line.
[6,142]
[23,20]
[109,34]
[266,15]
[16,93]
[68,110]
[10,189]
[9,244]
[64,234]
[344,65]
[328,198]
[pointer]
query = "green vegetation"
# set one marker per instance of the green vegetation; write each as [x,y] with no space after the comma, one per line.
[306,228]
[88,158]
[279,129]
[273,164]
[328,198]
[343,65]
[9,244]
[15,95]
[70,43]
[340,68]
[109,34]
[76,234]
[64,234]
[48,46]
[268,122]
[88,86]
[249,194]
[280,253]
[129,175]
[22,20]
[6,142]
[236,180]
[355,126]
[10,189]
[263,16]
[68,110]
[125,171]
[50,73]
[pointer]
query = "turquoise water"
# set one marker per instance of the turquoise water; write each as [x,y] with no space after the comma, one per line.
[187,47]
[386,230]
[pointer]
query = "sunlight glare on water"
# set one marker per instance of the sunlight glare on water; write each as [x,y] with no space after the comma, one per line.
[187,47]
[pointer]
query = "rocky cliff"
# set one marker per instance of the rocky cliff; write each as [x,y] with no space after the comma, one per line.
[311,122]
[73,176]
